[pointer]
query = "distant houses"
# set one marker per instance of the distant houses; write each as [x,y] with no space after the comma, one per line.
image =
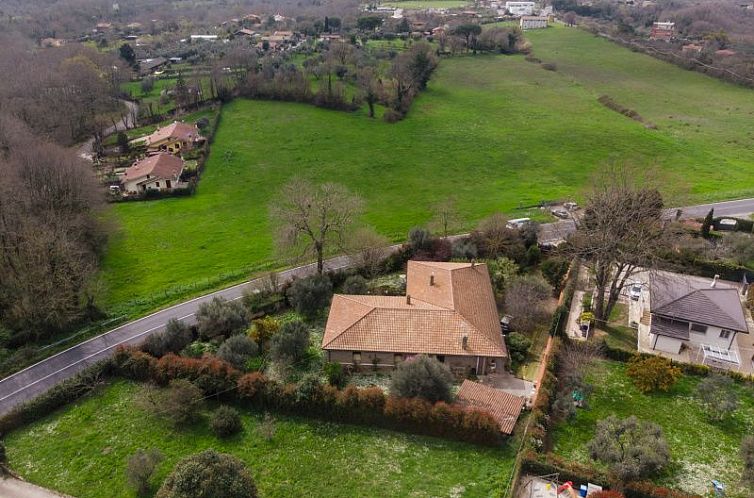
[149,66]
[662,31]
[532,22]
[520,8]
[160,172]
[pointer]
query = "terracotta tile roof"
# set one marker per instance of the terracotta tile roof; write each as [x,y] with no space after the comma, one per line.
[164,165]
[447,302]
[177,130]
[504,407]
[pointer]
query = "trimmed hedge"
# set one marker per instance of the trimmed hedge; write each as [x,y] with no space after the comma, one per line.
[368,406]
[66,392]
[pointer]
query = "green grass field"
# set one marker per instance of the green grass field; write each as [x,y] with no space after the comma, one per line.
[701,450]
[82,451]
[496,132]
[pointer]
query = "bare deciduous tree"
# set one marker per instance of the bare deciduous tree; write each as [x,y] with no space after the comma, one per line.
[368,250]
[620,233]
[312,220]
[445,216]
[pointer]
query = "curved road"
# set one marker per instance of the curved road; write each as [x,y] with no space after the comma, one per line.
[38,378]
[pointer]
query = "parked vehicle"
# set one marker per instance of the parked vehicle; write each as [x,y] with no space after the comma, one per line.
[634,292]
[518,223]
[505,324]
[560,213]
[571,206]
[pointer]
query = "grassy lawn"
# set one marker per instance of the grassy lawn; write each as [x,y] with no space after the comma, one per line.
[497,132]
[82,451]
[701,450]
[617,334]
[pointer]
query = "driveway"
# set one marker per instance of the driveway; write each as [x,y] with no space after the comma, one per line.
[15,488]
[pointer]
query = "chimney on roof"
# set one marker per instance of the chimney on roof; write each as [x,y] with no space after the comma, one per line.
[408,298]
[714,281]
[465,341]
[432,279]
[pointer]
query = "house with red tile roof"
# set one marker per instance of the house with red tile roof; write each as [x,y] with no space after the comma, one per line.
[173,138]
[502,406]
[161,172]
[448,313]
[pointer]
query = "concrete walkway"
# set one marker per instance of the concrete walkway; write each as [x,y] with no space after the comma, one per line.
[14,488]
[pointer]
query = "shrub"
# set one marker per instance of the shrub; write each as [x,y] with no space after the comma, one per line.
[237,350]
[653,374]
[267,427]
[747,456]
[212,375]
[554,271]
[209,474]
[355,284]
[263,329]
[607,494]
[140,469]
[630,447]
[718,396]
[179,404]
[291,343]
[422,377]
[335,374]
[419,239]
[225,422]
[518,346]
[310,295]
[219,318]
[173,339]
[133,364]
[253,386]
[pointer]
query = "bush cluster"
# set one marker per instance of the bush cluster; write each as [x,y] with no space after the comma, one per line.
[225,422]
[212,375]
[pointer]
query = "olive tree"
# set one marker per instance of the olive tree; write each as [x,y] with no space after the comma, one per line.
[422,377]
[209,474]
[631,448]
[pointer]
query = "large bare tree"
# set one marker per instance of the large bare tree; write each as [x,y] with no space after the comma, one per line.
[310,220]
[621,232]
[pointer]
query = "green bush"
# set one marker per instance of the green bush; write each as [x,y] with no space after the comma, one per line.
[310,295]
[220,318]
[225,422]
[237,350]
[173,339]
[291,343]
[209,474]
[518,347]
[422,377]
[180,404]
[335,374]
[140,469]
[355,284]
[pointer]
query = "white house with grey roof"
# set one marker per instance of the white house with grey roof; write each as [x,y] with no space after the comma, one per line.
[699,316]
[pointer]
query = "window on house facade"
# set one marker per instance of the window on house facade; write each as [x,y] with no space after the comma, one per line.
[700,329]
[725,334]
[356,356]
[157,184]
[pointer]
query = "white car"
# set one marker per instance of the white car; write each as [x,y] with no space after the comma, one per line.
[634,292]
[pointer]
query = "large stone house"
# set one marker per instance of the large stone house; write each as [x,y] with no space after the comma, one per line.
[448,312]
[161,172]
[699,318]
[173,138]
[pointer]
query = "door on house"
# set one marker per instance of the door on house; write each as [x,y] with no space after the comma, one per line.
[168,184]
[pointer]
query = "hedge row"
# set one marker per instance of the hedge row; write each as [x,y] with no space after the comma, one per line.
[351,405]
[560,317]
[624,355]
[66,392]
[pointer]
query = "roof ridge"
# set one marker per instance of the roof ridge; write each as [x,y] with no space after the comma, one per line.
[373,308]
[710,302]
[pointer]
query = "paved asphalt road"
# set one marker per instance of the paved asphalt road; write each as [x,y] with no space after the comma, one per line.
[38,378]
